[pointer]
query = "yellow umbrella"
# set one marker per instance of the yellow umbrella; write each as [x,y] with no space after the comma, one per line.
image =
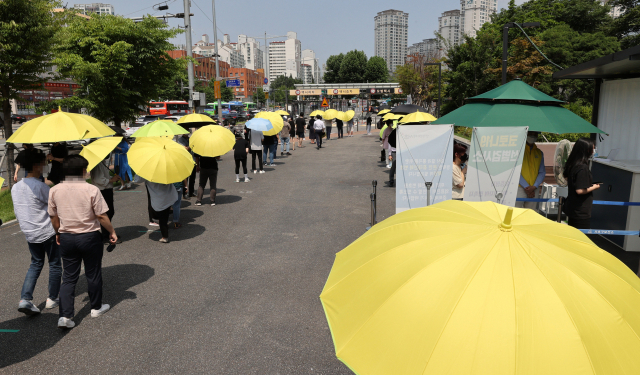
[391,116]
[417,117]
[380,113]
[341,116]
[350,113]
[281,112]
[316,112]
[1,182]
[160,128]
[481,288]
[159,159]
[212,140]
[275,119]
[97,150]
[195,120]
[330,114]
[60,127]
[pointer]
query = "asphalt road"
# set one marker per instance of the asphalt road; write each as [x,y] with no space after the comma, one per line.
[234,292]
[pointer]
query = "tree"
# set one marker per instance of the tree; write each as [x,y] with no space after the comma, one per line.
[120,65]
[226,93]
[376,70]
[352,67]
[332,68]
[258,96]
[27,36]
[419,81]
[627,26]
[525,63]
[178,89]
[281,86]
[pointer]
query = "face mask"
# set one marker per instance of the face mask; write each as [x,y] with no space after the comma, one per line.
[532,139]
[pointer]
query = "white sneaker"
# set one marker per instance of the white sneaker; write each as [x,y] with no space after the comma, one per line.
[237,180]
[28,308]
[128,185]
[255,171]
[261,171]
[388,166]
[51,303]
[102,310]
[246,179]
[66,323]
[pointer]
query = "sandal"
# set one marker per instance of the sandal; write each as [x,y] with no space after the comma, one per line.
[177,225]
[164,240]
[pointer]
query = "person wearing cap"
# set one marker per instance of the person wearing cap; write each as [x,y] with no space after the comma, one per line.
[533,172]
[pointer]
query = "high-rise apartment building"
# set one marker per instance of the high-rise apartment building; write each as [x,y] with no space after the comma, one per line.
[474,13]
[391,32]
[615,12]
[252,52]
[309,58]
[449,28]
[428,48]
[97,8]
[285,57]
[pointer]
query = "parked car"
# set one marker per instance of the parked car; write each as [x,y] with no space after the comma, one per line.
[142,121]
[18,119]
[244,116]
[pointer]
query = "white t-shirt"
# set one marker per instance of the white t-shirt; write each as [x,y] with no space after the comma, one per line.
[456,192]
[318,125]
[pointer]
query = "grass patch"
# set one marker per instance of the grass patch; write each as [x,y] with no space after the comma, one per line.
[6,206]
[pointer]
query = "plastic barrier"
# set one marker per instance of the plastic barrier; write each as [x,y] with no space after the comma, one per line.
[611,232]
[607,203]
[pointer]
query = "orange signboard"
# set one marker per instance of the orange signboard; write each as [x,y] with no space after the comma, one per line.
[216,90]
[325,103]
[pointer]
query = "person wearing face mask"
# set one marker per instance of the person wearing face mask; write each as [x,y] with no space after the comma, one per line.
[533,172]
[459,171]
[579,200]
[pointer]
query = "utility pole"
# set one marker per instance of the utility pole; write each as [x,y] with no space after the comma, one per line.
[266,72]
[187,27]
[215,40]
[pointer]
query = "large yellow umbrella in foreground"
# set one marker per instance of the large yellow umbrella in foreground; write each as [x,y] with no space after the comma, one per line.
[160,128]
[417,117]
[98,150]
[462,288]
[60,127]
[276,121]
[212,140]
[330,114]
[161,160]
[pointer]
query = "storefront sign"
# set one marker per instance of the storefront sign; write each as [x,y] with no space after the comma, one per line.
[305,92]
[424,154]
[495,161]
[343,91]
[381,91]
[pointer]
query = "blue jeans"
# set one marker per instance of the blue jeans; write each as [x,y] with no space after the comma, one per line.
[285,140]
[176,206]
[38,251]
[270,150]
[329,132]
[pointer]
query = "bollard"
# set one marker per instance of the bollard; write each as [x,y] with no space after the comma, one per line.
[560,203]
[428,185]
[374,183]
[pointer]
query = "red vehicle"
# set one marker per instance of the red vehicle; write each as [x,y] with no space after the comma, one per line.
[172,107]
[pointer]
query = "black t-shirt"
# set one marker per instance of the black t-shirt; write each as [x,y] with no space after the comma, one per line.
[56,174]
[300,123]
[579,205]
[240,148]
[208,162]
[369,120]
[339,123]
[270,140]
[20,158]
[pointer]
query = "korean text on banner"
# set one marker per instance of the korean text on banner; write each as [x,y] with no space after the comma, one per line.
[495,161]
[424,153]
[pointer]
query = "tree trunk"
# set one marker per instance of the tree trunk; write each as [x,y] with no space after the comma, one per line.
[117,122]
[8,131]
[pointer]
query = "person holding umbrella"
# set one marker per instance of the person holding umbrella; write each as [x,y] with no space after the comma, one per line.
[292,134]
[241,149]
[312,130]
[121,164]
[339,125]
[532,175]
[101,178]
[255,139]
[284,137]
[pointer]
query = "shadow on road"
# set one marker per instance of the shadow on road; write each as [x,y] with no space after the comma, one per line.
[130,232]
[187,232]
[39,333]
[226,199]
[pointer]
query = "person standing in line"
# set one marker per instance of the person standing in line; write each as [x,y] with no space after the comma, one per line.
[121,165]
[350,128]
[319,128]
[240,151]
[179,186]
[255,138]
[339,125]
[459,171]
[184,141]
[392,158]
[385,141]
[328,124]
[369,125]
[300,123]
[30,198]
[284,137]
[19,162]
[533,172]
[161,198]
[101,178]
[270,143]
[77,209]
[312,131]
[208,169]
[58,153]
[579,200]
[292,134]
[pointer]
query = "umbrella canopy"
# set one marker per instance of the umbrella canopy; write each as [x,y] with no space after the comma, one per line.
[282,113]
[349,114]
[195,120]
[275,119]
[392,116]
[316,112]
[118,130]
[161,160]
[405,109]
[160,128]
[212,140]
[341,116]
[60,127]
[384,111]
[97,150]
[417,117]
[481,288]
[515,90]
[330,114]
[259,124]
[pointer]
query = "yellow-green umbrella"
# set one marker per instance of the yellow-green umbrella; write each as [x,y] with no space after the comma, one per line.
[97,150]
[316,112]
[330,114]
[385,126]
[481,288]
[350,113]
[212,140]
[276,121]
[380,113]
[160,128]
[159,159]
[392,116]
[195,120]
[60,127]
[281,112]
[417,117]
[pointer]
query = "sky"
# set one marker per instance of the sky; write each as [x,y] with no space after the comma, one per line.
[328,27]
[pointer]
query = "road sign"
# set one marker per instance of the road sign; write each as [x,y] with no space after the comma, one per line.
[297,92]
[266,95]
[266,80]
[233,83]
[216,90]
[325,103]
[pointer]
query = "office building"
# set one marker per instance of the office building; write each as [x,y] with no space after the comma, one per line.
[96,8]
[391,32]
[285,57]
[309,58]
[205,69]
[249,79]
[474,13]
[449,28]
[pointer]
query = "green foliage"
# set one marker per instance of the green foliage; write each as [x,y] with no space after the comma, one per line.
[353,67]
[281,86]
[376,70]
[226,93]
[178,87]
[120,65]
[6,206]
[332,72]
[258,96]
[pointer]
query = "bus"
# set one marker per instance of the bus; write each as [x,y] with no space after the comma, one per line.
[172,107]
[212,108]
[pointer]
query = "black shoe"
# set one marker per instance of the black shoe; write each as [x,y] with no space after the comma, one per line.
[282,153]
[391,183]
[288,153]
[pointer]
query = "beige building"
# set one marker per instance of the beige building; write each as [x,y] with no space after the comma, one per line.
[391,28]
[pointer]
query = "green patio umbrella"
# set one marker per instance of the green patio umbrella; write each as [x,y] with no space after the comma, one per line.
[517,104]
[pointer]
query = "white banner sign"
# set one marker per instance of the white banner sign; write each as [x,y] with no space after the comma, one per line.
[494,165]
[424,153]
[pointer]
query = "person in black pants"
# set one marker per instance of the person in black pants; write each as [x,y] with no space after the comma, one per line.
[300,123]
[208,168]
[579,200]
[339,125]
[241,149]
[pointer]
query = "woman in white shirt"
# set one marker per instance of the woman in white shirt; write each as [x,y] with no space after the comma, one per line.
[459,173]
